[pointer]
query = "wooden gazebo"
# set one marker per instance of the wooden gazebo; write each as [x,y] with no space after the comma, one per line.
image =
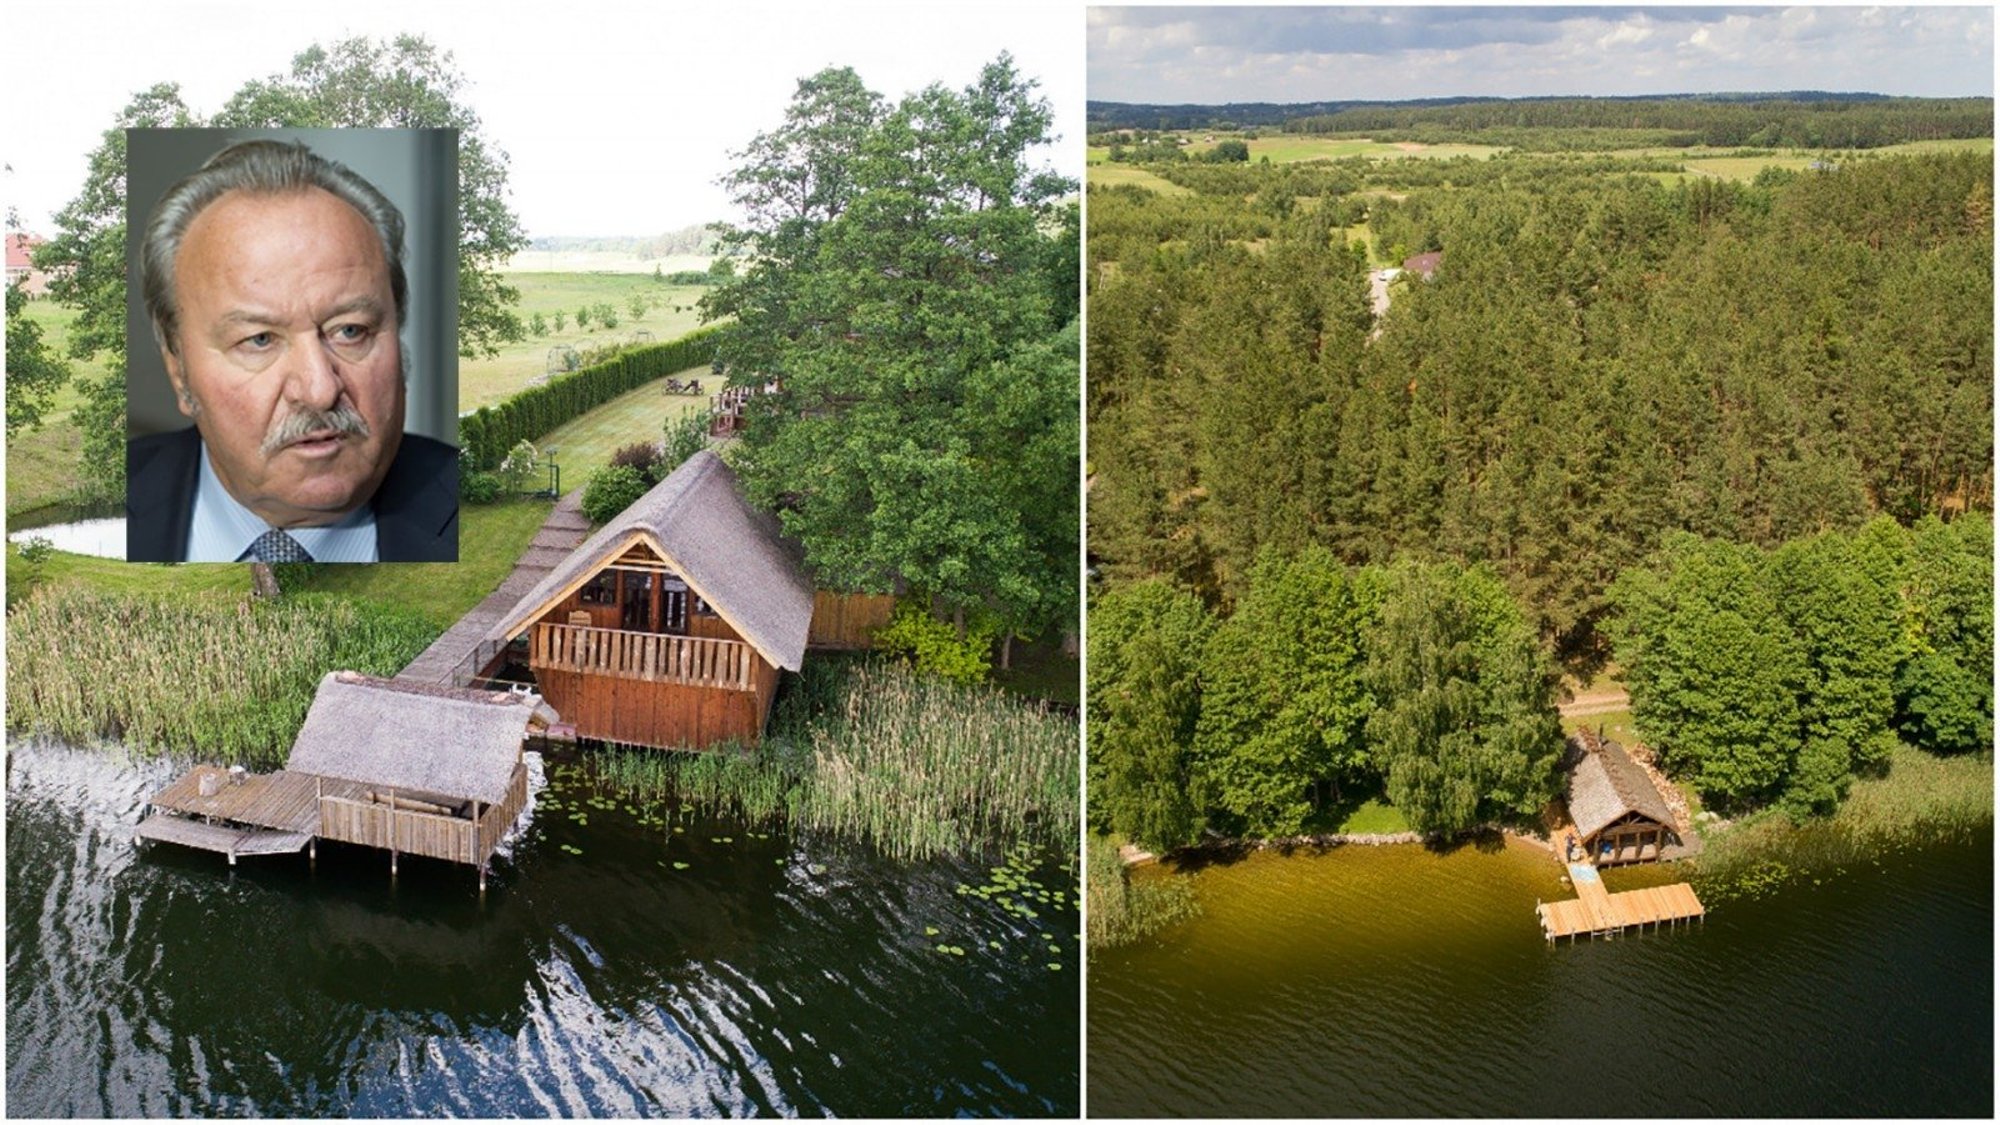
[1620,815]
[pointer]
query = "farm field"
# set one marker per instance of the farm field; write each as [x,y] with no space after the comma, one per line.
[671,313]
[1115,175]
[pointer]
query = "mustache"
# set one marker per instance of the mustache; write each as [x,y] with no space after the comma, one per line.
[342,419]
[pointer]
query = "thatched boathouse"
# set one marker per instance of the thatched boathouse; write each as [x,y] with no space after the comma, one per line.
[669,626]
[1619,814]
[408,768]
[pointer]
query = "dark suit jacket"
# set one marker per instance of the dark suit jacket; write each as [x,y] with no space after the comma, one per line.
[416,509]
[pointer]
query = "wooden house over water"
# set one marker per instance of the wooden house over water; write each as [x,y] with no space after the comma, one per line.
[670,625]
[1619,814]
[408,768]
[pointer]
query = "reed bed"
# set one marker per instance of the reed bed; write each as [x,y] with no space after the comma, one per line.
[870,750]
[1124,910]
[219,677]
[1923,799]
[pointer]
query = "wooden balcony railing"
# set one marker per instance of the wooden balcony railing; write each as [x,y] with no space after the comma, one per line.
[660,657]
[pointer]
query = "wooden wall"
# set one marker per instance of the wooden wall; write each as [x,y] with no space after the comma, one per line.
[645,713]
[848,620]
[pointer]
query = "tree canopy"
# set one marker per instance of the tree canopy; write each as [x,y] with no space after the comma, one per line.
[901,281]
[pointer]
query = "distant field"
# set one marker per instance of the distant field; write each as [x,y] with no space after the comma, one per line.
[1112,175]
[600,261]
[483,382]
[1288,148]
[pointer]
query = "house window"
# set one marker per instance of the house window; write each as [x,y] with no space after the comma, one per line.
[702,608]
[602,589]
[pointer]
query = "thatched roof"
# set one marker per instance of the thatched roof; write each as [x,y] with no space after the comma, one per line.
[451,742]
[1605,784]
[729,553]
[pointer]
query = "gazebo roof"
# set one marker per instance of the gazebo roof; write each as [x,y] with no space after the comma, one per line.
[1605,785]
[451,742]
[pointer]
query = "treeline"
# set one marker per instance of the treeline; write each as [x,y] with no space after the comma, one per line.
[487,434]
[698,238]
[1781,675]
[1601,360]
[1568,123]
[1421,682]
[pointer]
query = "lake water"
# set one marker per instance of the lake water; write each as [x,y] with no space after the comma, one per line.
[104,538]
[613,967]
[1399,982]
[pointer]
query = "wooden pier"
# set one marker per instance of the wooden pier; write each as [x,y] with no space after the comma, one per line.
[1597,913]
[461,654]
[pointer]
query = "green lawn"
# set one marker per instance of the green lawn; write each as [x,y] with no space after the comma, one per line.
[490,540]
[1373,817]
[587,443]
[41,463]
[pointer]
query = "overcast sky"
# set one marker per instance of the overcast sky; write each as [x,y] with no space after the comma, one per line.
[618,116]
[1213,55]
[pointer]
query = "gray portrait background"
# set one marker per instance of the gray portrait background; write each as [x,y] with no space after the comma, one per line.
[416,168]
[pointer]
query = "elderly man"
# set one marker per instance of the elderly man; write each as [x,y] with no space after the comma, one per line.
[274,281]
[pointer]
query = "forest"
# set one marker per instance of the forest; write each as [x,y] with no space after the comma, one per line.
[1621,387]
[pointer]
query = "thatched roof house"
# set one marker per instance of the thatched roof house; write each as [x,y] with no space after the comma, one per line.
[452,743]
[669,627]
[732,556]
[1620,815]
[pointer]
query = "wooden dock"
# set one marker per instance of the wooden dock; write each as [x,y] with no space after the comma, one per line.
[243,814]
[461,653]
[1595,912]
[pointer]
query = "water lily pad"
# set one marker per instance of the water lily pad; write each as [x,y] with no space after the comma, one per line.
[679,866]
[930,931]
[1055,966]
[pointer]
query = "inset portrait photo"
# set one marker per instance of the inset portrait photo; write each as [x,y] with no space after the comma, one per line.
[292,341]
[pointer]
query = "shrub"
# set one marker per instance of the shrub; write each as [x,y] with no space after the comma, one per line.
[643,456]
[934,645]
[518,470]
[610,491]
[686,436]
[479,488]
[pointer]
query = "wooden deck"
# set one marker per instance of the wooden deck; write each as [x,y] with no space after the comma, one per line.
[457,657]
[285,801]
[230,840]
[1595,912]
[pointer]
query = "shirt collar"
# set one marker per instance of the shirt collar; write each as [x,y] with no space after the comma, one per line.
[222,528]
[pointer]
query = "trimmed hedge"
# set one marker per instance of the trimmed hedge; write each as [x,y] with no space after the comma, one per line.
[490,432]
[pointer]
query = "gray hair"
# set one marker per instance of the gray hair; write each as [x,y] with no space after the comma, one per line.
[262,168]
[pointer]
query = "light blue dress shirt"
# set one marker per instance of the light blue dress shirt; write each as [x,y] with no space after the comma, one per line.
[223,529]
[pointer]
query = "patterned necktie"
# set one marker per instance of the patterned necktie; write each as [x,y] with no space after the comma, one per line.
[275,546]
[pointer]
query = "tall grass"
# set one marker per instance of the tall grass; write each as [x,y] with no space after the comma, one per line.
[221,677]
[1122,910]
[871,751]
[1924,798]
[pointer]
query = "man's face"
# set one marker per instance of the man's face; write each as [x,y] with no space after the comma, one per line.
[289,361]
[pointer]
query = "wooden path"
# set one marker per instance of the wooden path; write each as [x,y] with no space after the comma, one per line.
[456,658]
[1595,912]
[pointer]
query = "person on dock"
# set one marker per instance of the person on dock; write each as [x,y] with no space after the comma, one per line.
[275,285]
